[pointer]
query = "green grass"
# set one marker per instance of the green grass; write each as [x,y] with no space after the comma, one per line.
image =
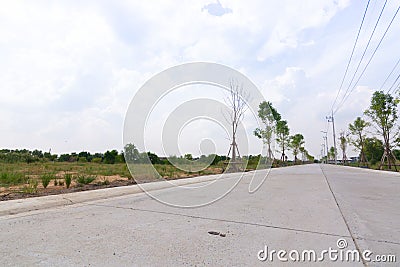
[46,178]
[31,188]
[68,179]
[14,174]
[12,178]
[84,179]
[375,166]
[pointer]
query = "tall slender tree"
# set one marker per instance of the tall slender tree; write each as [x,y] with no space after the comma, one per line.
[344,139]
[373,149]
[295,143]
[282,132]
[383,113]
[331,153]
[357,130]
[269,116]
[303,152]
[237,103]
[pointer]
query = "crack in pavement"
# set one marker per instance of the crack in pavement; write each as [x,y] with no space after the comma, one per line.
[344,219]
[242,222]
[379,241]
[70,201]
[216,219]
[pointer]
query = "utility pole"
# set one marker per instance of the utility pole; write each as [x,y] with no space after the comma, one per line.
[327,150]
[325,137]
[331,119]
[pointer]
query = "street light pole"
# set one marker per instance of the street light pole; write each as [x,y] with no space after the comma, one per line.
[331,119]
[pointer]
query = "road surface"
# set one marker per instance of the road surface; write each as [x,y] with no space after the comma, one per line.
[297,208]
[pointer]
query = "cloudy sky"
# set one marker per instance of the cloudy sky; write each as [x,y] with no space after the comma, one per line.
[69,69]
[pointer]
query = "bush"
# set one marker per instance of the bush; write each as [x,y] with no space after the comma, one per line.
[82,179]
[46,178]
[31,188]
[82,159]
[110,156]
[96,160]
[68,179]
[13,178]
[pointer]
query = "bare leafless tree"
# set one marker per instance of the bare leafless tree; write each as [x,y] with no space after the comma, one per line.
[236,100]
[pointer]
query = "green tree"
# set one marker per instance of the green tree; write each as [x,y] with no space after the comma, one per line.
[343,141]
[64,157]
[383,113]
[309,157]
[120,158]
[37,153]
[82,159]
[303,153]
[85,154]
[295,143]
[217,158]
[373,149]
[269,116]
[188,156]
[357,130]
[49,156]
[331,153]
[131,153]
[396,153]
[154,159]
[74,157]
[110,156]
[282,132]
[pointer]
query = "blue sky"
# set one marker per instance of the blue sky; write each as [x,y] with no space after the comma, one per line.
[69,69]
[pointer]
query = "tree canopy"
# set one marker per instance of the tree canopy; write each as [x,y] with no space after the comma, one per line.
[383,114]
[282,132]
[295,143]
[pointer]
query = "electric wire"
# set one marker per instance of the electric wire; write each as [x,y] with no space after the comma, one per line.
[351,56]
[364,52]
[369,61]
[390,74]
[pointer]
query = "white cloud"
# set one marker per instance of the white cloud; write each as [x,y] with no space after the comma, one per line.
[69,70]
[286,30]
[285,87]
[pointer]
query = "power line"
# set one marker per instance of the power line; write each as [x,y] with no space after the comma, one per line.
[351,56]
[390,89]
[363,54]
[366,47]
[369,61]
[390,74]
[398,87]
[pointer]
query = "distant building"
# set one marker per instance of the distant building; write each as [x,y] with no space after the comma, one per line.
[354,159]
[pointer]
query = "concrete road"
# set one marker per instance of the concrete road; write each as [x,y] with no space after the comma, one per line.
[298,209]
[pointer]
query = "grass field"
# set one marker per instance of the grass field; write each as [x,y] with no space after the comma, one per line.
[20,173]
[42,178]
[51,177]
